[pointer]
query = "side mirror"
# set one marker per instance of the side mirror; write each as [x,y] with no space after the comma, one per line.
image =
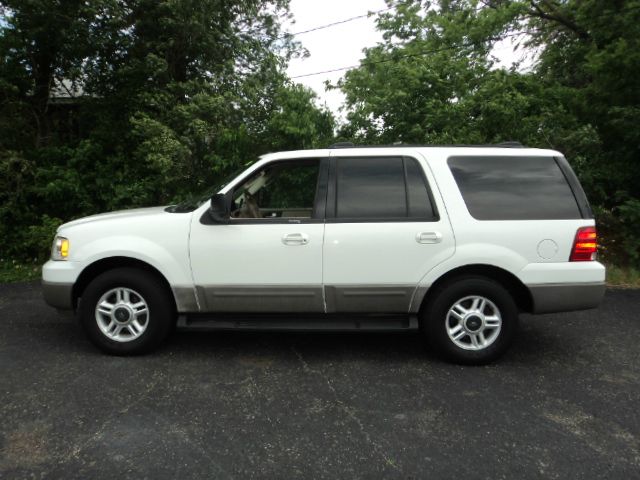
[219,210]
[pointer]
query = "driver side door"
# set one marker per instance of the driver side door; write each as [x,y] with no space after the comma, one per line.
[268,258]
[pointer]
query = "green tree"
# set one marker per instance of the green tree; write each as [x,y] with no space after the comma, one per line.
[169,96]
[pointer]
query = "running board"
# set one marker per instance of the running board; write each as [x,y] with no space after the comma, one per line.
[299,322]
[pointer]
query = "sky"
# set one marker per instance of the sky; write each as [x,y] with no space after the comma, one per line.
[342,45]
[333,47]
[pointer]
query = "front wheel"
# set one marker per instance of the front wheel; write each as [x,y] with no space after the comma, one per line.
[471,320]
[126,311]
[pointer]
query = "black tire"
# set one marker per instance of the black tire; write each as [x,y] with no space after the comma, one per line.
[436,316]
[159,321]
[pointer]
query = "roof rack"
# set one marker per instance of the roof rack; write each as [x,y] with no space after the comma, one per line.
[343,145]
[510,144]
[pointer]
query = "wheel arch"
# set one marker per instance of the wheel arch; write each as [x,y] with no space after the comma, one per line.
[511,283]
[98,267]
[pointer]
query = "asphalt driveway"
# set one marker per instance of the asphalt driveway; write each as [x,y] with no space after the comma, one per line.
[563,403]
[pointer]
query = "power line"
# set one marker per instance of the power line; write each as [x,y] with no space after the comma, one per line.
[453,47]
[329,25]
[410,55]
[376,12]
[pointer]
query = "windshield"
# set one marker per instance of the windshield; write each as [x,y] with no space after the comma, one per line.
[194,201]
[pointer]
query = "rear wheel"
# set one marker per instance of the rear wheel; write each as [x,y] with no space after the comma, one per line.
[471,320]
[126,311]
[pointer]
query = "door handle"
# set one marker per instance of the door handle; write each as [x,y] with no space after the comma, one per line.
[429,237]
[295,239]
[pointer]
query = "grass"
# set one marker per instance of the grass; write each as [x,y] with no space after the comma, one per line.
[13,271]
[627,277]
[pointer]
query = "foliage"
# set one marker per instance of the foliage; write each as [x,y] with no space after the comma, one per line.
[620,228]
[113,104]
[627,277]
[13,271]
[435,80]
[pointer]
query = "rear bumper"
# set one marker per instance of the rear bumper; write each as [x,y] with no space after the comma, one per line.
[58,295]
[563,297]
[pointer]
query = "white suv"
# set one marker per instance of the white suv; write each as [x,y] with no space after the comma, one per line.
[455,241]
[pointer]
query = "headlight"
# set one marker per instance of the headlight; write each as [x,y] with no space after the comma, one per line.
[60,249]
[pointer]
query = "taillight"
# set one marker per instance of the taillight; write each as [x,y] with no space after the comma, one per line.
[585,245]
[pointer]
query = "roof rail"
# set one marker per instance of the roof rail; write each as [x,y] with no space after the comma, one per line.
[509,144]
[342,145]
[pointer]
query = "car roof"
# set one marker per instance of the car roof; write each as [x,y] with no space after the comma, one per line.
[508,149]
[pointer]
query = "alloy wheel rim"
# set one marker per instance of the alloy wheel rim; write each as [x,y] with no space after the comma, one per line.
[473,323]
[122,314]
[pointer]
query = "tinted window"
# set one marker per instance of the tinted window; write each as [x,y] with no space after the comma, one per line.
[417,191]
[382,187]
[370,188]
[514,188]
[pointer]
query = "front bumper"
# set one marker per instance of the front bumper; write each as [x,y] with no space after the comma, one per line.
[58,278]
[58,295]
[552,298]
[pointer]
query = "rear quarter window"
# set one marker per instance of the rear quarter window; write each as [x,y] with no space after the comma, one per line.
[514,188]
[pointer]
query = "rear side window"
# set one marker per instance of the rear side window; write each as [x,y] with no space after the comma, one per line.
[370,188]
[382,188]
[514,188]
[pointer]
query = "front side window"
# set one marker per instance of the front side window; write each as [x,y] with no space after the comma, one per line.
[382,188]
[284,189]
[514,188]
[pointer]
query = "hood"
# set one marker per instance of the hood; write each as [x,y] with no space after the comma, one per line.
[117,215]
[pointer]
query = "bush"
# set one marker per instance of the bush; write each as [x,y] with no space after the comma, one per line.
[619,233]
[629,237]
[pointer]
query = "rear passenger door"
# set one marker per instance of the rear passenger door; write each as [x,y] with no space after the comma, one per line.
[385,228]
